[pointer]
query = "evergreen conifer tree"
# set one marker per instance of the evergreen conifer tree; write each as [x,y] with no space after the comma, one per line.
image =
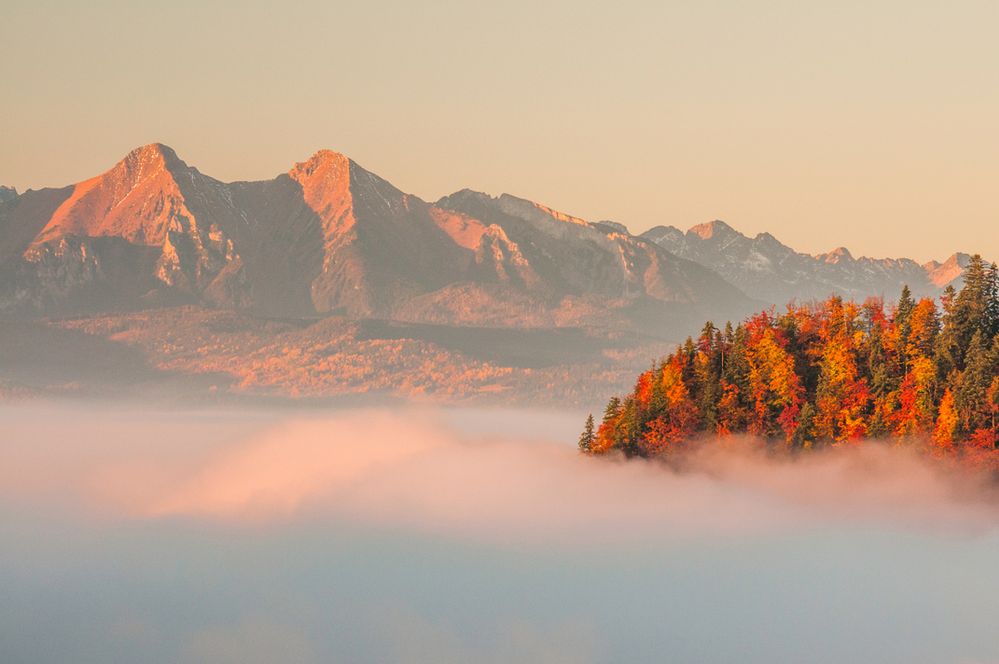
[588,436]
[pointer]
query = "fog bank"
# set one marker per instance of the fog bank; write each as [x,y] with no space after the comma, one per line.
[435,471]
[457,535]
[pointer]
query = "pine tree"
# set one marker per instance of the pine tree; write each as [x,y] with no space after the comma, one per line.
[902,321]
[629,429]
[969,395]
[992,404]
[992,306]
[607,436]
[877,358]
[924,329]
[707,371]
[587,438]
[804,435]
[737,363]
[970,309]
[904,308]
[612,410]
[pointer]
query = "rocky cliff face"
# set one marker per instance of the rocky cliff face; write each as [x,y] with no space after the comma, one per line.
[150,222]
[576,258]
[766,269]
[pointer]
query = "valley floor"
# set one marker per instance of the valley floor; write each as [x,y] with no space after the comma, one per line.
[223,355]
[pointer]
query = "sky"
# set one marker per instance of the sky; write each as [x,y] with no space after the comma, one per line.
[867,124]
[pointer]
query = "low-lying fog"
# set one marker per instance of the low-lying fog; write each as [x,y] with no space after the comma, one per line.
[471,536]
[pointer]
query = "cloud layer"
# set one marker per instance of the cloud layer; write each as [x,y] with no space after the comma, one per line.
[455,536]
[419,470]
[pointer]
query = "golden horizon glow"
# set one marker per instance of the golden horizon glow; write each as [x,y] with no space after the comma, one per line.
[868,125]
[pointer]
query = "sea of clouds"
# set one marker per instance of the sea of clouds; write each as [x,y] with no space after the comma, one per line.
[458,535]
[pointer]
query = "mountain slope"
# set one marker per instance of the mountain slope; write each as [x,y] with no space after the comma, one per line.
[578,261]
[150,227]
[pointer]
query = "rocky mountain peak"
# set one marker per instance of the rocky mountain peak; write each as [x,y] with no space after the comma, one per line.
[150,158]
[323,164]
[716,229]
[837,255]
[612,226]
[662,232]
[670,238]
[942,274]
[463,197]
[7,194]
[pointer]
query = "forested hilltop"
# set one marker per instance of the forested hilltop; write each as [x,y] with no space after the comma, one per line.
[820,374]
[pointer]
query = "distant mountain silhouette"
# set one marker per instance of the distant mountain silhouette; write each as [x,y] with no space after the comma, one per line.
[766,269]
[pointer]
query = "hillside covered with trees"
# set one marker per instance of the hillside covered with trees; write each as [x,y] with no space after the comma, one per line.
[919,372]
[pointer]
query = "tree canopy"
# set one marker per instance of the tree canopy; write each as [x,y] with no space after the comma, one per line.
[829,373]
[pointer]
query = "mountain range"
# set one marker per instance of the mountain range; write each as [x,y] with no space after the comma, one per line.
[768,270]
[327,237]
[328,281]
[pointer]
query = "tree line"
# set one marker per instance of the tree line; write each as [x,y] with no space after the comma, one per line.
[826,373]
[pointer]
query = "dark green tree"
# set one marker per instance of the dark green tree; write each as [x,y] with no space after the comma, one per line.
[947,345]
[903,318]
[626,436]
[992,306]
[972,304]
[588,436]
[805,432]
[969,395]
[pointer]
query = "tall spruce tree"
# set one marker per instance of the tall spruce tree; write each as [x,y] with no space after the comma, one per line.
[969,394]
[903,320]
[588,436]
[992,305]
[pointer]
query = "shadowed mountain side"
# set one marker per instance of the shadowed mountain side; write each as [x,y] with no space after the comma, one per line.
[576,258]
[23,218]
[45,358]
[513,347]
[76,275]
[594,274]
[186,349]
[281,245]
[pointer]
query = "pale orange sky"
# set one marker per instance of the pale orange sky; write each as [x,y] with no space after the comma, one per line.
[870,124]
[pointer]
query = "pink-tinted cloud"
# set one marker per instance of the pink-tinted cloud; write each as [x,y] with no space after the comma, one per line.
[412,470]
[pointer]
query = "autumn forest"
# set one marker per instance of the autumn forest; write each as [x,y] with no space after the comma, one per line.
[923,372]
